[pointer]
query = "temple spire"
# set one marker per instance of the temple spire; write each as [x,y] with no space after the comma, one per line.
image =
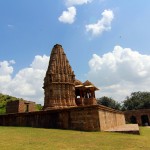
[59,81]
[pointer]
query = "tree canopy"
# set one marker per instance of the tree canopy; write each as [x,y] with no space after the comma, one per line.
[3,101]
[137,100]
[109,102]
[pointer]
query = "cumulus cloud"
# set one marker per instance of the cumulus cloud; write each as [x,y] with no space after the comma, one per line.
[104,24]
[68,16]
[28,82]
[6,71]
[120,72]
[6,68]
[77,2]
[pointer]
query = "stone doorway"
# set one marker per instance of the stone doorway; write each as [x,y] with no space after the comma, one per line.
[133,120]
[145,120]
[26,107]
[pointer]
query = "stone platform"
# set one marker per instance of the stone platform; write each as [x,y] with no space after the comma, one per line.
[84,118]
[127,128]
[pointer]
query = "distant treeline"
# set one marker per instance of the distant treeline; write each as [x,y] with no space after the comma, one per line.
[137,100]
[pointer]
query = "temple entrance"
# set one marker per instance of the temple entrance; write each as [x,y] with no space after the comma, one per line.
[133,120]
[145,120]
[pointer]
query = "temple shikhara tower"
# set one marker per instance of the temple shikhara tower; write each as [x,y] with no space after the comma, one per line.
[59,81]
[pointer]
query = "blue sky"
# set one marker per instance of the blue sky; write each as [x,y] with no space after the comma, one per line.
[95,35]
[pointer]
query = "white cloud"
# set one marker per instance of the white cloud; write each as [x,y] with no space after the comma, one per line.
[77,2]
[104,24]
[28,82]
[120,72]
[68,16]
[6,68]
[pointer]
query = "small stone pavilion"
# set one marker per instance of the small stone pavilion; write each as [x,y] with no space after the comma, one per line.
[85,93]
[69,103]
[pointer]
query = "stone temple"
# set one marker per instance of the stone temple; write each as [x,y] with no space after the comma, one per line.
[61,90]
[68,103]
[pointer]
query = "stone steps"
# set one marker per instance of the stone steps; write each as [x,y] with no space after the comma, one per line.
[127,128]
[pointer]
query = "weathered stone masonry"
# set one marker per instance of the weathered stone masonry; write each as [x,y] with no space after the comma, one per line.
[20,106]
[59,81]
[86,118]
[141,116]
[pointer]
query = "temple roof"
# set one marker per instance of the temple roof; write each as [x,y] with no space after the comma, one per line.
[88,84]
[78,83]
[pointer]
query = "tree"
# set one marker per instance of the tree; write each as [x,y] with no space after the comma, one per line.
[39,107]
[109,102]
[137,100]
[3,101]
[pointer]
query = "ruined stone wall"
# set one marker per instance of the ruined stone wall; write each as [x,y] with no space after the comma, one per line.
[20,106]
[32,106]
[12,107]
[110,118]
[137,114]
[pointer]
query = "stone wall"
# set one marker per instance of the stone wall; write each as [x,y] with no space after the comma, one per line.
[141,116]
[87,118]
[110,118]
[20,106]
[12,107]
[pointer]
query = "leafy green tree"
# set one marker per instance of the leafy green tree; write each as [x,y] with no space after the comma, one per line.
[137,100]
[109,102]
[3,101]
[39,107]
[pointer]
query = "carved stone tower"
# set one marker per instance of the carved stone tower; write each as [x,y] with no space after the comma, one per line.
[59,87]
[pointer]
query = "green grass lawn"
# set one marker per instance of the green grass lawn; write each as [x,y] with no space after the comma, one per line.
[23,138]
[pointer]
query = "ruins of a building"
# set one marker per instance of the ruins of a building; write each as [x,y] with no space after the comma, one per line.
[140,117]
[20,106]
[68,103]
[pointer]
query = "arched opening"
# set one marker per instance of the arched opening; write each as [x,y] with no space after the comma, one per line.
[78,96]
[77,93]
[145,120]
[133,119]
